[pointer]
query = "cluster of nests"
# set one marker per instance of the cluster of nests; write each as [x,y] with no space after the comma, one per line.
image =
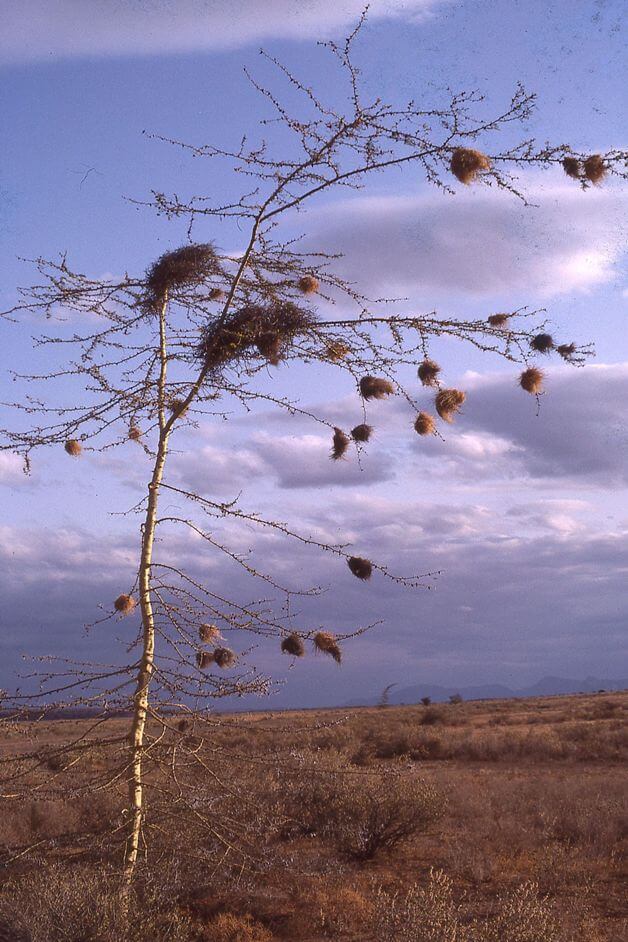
[266,328]
[466,164]
[221,656]
[447,402]
[592,168]
[323,640]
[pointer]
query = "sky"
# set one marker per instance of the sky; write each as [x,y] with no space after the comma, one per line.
[522,512]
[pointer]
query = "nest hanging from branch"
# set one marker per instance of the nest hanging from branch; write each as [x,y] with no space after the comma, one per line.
[73,447]
[594,168]
[375,387]
[566,351]
[361,568]
[361,433]
[424,424]
[204,659]
[224,657]
[448,402]
[217,294]
[124,604]
[268,328]
[134,433]
[340,444]
[188,265]
[542,343]
[336,350]
[532,380]
[308,284]
[293,645]
[324,641]
[572,167]
[466,164]
[208,634]
[428,372]
[498,320]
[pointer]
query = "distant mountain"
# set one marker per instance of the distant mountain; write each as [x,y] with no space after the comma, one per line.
[546,687]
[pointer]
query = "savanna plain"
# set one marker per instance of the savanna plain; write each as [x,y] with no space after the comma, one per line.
[486,821]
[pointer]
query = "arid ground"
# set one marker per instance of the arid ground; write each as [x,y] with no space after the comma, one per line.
[483,821]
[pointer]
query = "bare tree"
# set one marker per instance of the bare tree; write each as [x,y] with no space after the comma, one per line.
[189,338]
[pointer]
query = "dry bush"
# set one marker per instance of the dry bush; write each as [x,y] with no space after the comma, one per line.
[427,914]
[228,927]
[362,815]
[76,903]
[431,914]
[523,916]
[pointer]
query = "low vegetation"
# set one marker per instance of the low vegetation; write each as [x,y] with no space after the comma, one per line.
[502,821]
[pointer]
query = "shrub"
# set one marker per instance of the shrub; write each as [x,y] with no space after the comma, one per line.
[431,716]
[228,927]
[76,903]
[363,815]
[421,915]
[431,914]
[524,916]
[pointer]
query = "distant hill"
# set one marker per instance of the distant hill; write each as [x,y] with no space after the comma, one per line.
[546,687]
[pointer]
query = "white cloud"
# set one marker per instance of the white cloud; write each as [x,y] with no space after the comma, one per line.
[479,242]
[53,29]
[11,469]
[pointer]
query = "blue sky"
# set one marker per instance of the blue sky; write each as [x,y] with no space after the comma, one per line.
[540,501]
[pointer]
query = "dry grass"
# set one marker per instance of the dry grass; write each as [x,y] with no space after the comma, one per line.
[475,822]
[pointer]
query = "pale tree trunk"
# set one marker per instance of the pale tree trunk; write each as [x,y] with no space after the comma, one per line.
[145,670]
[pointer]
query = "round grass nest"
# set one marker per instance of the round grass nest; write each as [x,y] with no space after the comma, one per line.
[124,604]
[224,657]
[208,634]
[361,433]
[308,284]
[424,424]
[375,387]
[134,433]
[326,642]
[498,320]
[204,659]
[542,343]
[428,372]
[73,447]
[188,265]
[293,645]
[572,167]
[217,294]
[268,329]
[566,351]
[594,168]
[532,380]
[466,164]
[336,350]
[360,567]
[340,444]
[448,402]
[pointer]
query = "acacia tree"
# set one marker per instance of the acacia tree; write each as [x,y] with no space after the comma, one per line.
[191,336]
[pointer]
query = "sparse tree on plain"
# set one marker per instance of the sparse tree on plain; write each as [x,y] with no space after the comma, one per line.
[157,352]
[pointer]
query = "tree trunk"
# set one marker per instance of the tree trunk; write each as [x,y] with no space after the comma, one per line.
[145,670]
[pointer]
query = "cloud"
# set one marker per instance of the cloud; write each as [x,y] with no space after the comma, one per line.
[53,29]
[303,461]
[12,469]
[478,242]
[581,432]
[506,605]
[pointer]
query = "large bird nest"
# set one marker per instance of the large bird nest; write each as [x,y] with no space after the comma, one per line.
[268,329]
[188,265]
